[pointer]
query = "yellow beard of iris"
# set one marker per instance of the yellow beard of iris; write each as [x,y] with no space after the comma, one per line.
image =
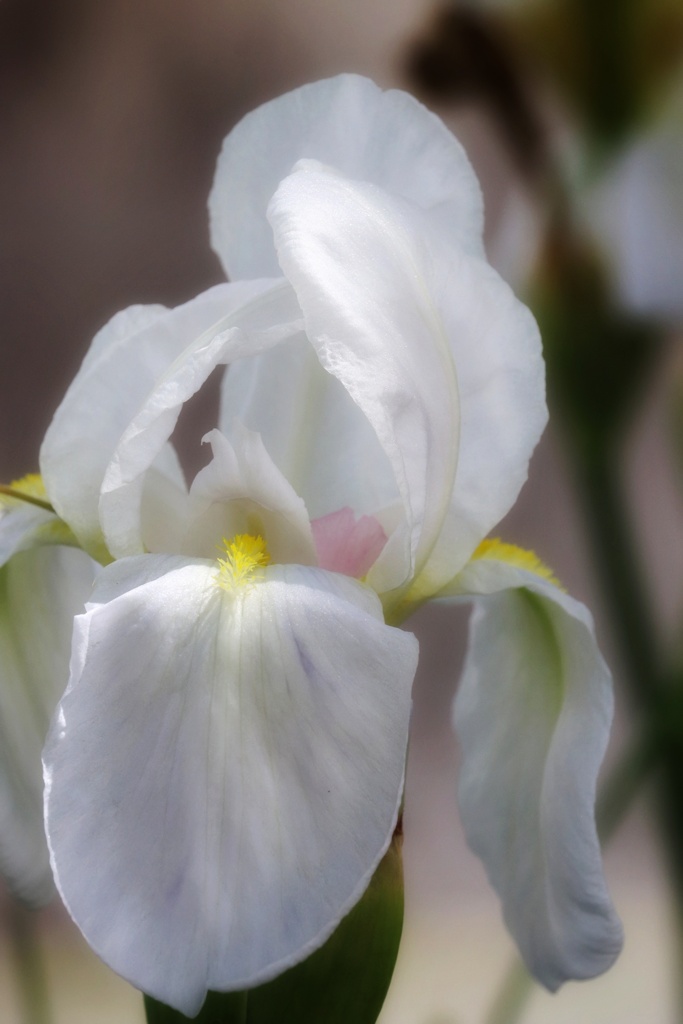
[245,556]
[510,553]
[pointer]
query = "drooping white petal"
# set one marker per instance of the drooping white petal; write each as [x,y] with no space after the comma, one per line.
[242,491]
[267,315]
[225,770]
[313,430]
[361,266]
[128,355]
[40,592]
[533,715]
[386,138]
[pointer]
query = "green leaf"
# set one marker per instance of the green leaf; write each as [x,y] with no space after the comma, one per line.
[345,980]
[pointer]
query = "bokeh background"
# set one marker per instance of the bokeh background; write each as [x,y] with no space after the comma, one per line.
[111,118]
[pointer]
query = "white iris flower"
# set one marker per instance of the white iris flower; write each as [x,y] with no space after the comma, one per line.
[225,769]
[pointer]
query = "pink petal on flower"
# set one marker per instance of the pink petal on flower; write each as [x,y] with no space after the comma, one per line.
[346,544]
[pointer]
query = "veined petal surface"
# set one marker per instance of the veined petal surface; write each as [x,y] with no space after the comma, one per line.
[347,122]
[40,592]
[225,770]
[242,491]
[532,715]
[362,270]
[261,314]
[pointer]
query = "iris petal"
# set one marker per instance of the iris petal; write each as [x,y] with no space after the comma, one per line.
[257,315]
[496,348]
[533,715]
[358,263]
[386,138]
[225,770]
[242,491]
[125,358]
[313,430]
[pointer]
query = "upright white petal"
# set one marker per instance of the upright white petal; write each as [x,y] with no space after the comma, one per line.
[164,503]
[533,715]
[266,314]
[496,348]
[362,270]
[225,770]
[242,491]
[125,359]
[386,138]
[127,356]
[313,430]
[40,592]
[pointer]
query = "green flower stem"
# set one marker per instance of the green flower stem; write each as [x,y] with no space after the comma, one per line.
[619,574]
[623,784]
[242,1011]
[29,968]
[512,996]
[607,90]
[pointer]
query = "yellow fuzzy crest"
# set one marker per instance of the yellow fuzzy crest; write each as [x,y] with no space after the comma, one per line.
[510,553]
[245,555]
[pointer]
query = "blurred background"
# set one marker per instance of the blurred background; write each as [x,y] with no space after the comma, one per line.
[111,119]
